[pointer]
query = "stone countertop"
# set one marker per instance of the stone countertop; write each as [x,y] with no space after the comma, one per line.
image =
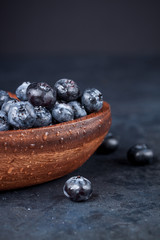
[125,202]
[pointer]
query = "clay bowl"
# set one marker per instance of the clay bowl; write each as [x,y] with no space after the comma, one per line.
[38,155]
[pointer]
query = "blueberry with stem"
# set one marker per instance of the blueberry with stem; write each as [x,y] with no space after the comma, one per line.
[21,115]
[78,189]
[67,90]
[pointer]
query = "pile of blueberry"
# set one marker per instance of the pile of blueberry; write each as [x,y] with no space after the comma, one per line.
[41,105]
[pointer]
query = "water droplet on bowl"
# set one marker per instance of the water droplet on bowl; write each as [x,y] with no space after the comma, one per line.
[57,133]
[10,170]
[32,145]
[45,136]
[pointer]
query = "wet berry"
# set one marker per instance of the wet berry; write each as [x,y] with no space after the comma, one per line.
[67,90]
[4,97]
[92,100]
[41,94]
[21,91]
[140,154]
[21,115]
[79,110]
[4,126]
[62,112]
[43,117]
[78,188]
[6,105]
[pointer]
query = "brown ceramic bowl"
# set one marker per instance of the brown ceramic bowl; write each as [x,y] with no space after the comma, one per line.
[37,155]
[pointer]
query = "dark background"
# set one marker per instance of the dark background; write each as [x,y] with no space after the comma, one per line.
[113,46]
[86,26]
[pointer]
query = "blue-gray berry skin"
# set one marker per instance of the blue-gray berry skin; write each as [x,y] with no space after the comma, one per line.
[22,115]
[62,113]
[92,100]
[140,154]
[78,189]
[43,117]
[21,91]
[67,90]
[109,145]
[4,97]
[6,105]
[41,94]
[4,126]
[79,110]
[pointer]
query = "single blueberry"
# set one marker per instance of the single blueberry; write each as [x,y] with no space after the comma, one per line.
[4,97]
[67,90]
[78,188]
[140,154]
[4,126]
[79,110]
[43,117]
[41,94]
[62,113]
[21,91]
[6,105]
[109,145]
[21,115]
[92,100]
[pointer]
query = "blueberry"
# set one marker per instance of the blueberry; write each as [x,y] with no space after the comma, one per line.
[41,94]
[21,115]
[92,100]
[78,188]
[21,91]
[67,90]
[4,126]
[4,97]
[43,117]
[79,110]
[140,154]
[109,145]
[6,105]
[62,112]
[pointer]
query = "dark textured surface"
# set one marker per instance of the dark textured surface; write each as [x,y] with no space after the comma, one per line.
[125,202]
